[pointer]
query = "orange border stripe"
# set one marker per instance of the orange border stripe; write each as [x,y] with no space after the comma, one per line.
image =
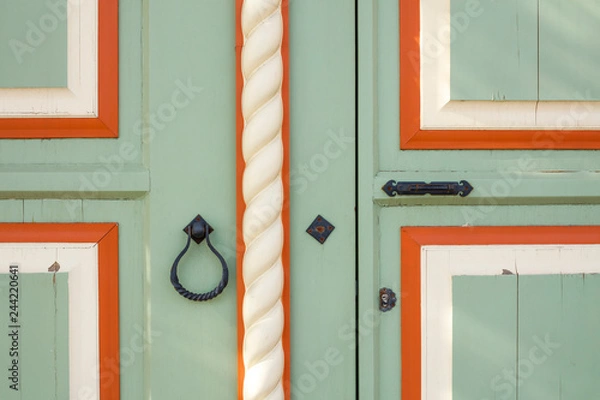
[241,207]
[106,125]
[414,238]
[239,39]
[412,137]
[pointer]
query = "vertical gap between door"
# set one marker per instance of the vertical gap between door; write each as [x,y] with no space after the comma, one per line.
[518,340]
[538,52]
[356,225]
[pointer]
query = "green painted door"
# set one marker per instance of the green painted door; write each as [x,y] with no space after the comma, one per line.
[174,158]
[513,335]
[192,164]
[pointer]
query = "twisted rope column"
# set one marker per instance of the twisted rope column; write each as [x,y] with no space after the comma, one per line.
[263,232]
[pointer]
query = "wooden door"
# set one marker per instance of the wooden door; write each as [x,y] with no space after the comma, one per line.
[193,170]
[496,289]
[134,124]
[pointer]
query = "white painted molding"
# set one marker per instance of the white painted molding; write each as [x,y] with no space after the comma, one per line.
[439,112]
[80,97]
[262,149]
[439,264]
[80,262]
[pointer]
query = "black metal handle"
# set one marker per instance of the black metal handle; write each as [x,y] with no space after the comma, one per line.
[462,188]
[199,230]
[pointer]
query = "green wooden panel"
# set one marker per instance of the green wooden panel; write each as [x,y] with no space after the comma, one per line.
[42,336]
[379,127]
[379,58]
[558,348]
[493,50]
[367,238]
[484,338]
[539,321]
[569,50]
[193,171]
[108,181]
[53,210]
[11,210]
[33,50]
[322,97]
[135,335]
[580,366]
[106,157]
[385,268]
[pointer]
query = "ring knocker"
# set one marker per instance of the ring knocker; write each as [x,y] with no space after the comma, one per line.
[198,230]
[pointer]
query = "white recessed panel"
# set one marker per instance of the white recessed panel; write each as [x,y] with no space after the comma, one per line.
[80,98]
[439,112]
[80,262]
[440,263]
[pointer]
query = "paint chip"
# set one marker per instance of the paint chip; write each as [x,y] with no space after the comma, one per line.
[54,267]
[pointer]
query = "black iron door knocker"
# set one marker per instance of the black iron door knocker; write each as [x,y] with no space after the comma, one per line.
[198,230]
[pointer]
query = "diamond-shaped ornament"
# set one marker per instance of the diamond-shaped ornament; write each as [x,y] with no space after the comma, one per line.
[320,229]
[198,229]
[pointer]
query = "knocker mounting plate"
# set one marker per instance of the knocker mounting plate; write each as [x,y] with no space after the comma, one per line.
[197,226]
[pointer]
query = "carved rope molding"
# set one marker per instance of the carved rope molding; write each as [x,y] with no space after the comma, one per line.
[262,149]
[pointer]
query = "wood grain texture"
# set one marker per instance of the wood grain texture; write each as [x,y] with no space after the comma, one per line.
[53,210]
[34,53]
[322,126]
[493,50]
[484,341]
[568,51]
[192,162]
[11,210]
[557,315]
[43,336]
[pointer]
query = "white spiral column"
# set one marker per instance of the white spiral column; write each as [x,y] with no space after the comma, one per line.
[262,148]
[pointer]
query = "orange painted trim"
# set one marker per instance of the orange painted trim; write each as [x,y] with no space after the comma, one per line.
[412,137]
[106,125]
[107,238]
[108,313]
[414,238]
[410,318]
[240,205]
[240,164]
[285,215]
